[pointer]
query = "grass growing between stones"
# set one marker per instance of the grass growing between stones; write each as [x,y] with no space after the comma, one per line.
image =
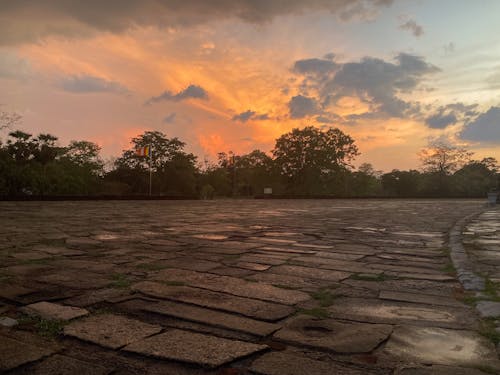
[119,280]
[317,312]
[487,328]
[449,269]
[44,327]
[372,277]
[324,297]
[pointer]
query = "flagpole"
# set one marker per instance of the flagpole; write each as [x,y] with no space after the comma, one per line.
[150,170]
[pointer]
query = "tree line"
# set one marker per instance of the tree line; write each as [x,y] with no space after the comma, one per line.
[304,162]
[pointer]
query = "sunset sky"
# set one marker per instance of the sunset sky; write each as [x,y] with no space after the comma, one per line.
[235,74]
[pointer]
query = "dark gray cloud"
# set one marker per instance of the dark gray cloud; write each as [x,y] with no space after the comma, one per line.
[378,82]
[374,81]
[170,118]
[413,27]
[190,92]
[250,115]
[85,84]
[28,21]
[301,106]
[485,128]
[319,67]
[450,114]
[441,121]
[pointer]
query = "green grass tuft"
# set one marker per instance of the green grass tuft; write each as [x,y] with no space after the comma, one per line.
[316,312]
[44,327]
[449,269]
[324,297]
[487,328]
[119,280]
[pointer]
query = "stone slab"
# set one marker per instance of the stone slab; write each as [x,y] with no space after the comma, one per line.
[110,331]
[333,335]
[188,263]
[211,317]
[272,249]
[252,266]
[428,299]
[311,273]
[92,297]
[195,348]
[82,243]
[287,363]
[54,311]
[14,353]
[12,292]
[61,365]
[5,321]
[290,281]
[488,309]
[394,312]
[232,271]
[439,370]
[339,256]
[235,286]
[430,345]
[404,269]
[421,276]
[249,307]
[262,259]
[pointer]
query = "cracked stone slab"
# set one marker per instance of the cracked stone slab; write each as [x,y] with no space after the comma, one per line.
[14,353]
[211,317]
[235,286]
[195,348]
[249,307]
[428,299]
[392,312]
[333,335]
[54,311]
[309,272]
[430,345]
[283,363]
[110,331]
[60,364]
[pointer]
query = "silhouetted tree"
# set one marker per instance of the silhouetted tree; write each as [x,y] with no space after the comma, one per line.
[310,158]
[440,161]
[174,170]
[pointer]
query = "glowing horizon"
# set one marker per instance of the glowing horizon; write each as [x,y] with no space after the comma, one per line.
[393,75]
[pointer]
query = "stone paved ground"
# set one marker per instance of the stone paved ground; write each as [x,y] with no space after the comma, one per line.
[236,287]
[481,238]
